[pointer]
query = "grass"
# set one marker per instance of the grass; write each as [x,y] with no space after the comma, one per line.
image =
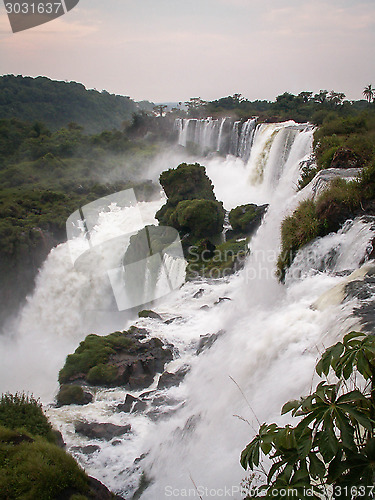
[313,219]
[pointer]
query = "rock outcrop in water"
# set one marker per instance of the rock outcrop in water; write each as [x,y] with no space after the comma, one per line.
[191,207]
[118,359]
[245,219]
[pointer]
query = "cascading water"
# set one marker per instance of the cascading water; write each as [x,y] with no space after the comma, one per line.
[264,340]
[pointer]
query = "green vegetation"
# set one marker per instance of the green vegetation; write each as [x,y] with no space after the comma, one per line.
[191,207]
[339,202]
[91,356]
[70,394]
[204,259]
[31,465]
[59,103]
[198,218]
[45,176]
[332,447]
[340,142]
[24,413]
[244,219]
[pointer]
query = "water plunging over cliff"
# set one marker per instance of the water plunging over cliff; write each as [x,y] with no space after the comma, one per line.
[259,348]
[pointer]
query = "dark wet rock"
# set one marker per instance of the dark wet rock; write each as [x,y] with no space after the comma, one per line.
[146,395]
[346,158]
[149,314]
[168,379]
[86,450]
[172,320]
[104,431]
[207,341]
[221,299]
[198,294]
[158,414]
[59,440]
[132,405]
[139,459]
[205,307]
[164,401]
[100,492]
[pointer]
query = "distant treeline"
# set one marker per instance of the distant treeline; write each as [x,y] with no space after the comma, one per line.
[304,107]
[58,103]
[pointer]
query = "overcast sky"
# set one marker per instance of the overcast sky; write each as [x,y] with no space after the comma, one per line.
[170,50]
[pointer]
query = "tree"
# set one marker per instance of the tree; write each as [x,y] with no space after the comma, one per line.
[330,453]
[305,96]
[369,93]
[336,98]
[160,108]
[321,97]
[195,106]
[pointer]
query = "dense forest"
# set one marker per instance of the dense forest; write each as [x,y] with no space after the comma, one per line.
[58,103]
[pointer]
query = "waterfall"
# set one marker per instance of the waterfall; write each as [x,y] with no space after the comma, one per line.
[246,139]
[265,339]
[217,135]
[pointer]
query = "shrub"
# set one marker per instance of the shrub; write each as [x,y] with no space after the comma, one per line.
[297,230]
[37,469]
[22,412]
[329,452]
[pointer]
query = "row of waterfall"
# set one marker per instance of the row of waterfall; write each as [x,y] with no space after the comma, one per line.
[265,336]
[224,135]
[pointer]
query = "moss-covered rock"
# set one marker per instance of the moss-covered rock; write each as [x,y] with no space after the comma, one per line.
[187,182]
[118,359]
[198,218]
[146,313]
[216,261]
[72,394]
[245,219]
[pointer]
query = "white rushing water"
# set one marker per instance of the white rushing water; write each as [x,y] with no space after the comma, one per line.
[267,335]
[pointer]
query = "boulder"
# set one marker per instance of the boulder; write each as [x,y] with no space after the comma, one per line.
[245,219]
[149,314]
[207,341]
[118,359]
[72,394]
[168,379]
[198,218]
[132,405]
[104,431]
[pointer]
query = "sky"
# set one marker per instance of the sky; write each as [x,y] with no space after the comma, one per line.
[171,50]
